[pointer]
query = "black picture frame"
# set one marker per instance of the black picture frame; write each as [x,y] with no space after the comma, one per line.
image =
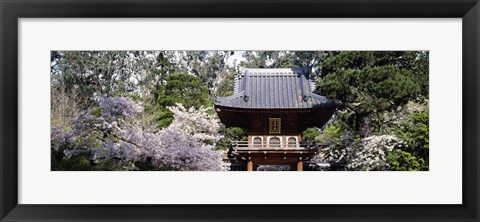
[11,11]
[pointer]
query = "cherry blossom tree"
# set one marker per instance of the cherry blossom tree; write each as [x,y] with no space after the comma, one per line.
[372,154]
[110,132]
[104,132]
[358,154]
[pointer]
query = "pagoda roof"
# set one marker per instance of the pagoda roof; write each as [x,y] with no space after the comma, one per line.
[274,89]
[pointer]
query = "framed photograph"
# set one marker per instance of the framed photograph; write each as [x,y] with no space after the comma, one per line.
[269,110]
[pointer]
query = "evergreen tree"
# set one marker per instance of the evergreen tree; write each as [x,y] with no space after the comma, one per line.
[370,82]
[185,89]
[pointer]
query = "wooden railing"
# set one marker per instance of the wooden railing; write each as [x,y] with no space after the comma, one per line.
[273,145]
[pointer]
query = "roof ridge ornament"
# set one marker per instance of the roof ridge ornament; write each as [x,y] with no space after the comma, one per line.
[302,86]
[245,86]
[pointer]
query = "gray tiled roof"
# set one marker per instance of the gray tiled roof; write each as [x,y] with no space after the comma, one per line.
[274,89]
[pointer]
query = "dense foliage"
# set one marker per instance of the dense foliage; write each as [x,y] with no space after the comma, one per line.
[414,154]
[384,110]
[185,89]
[232,134]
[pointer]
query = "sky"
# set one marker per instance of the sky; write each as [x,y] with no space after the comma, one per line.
[237,55]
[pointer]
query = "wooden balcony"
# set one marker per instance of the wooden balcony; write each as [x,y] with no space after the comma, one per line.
[291,146]
[276,153]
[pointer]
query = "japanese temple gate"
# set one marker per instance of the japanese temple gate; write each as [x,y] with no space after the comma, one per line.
[274,106]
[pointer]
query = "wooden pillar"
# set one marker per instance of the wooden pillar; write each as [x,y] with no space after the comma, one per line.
[250,166]
[300,166]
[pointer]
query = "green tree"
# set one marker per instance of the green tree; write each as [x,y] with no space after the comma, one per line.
[225,86]
[285,59]
[370,82]
[310,134]
[185,89]
[376,89]
[400,160]
[231,134]
[414,154]
[95,72]
[206,65]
